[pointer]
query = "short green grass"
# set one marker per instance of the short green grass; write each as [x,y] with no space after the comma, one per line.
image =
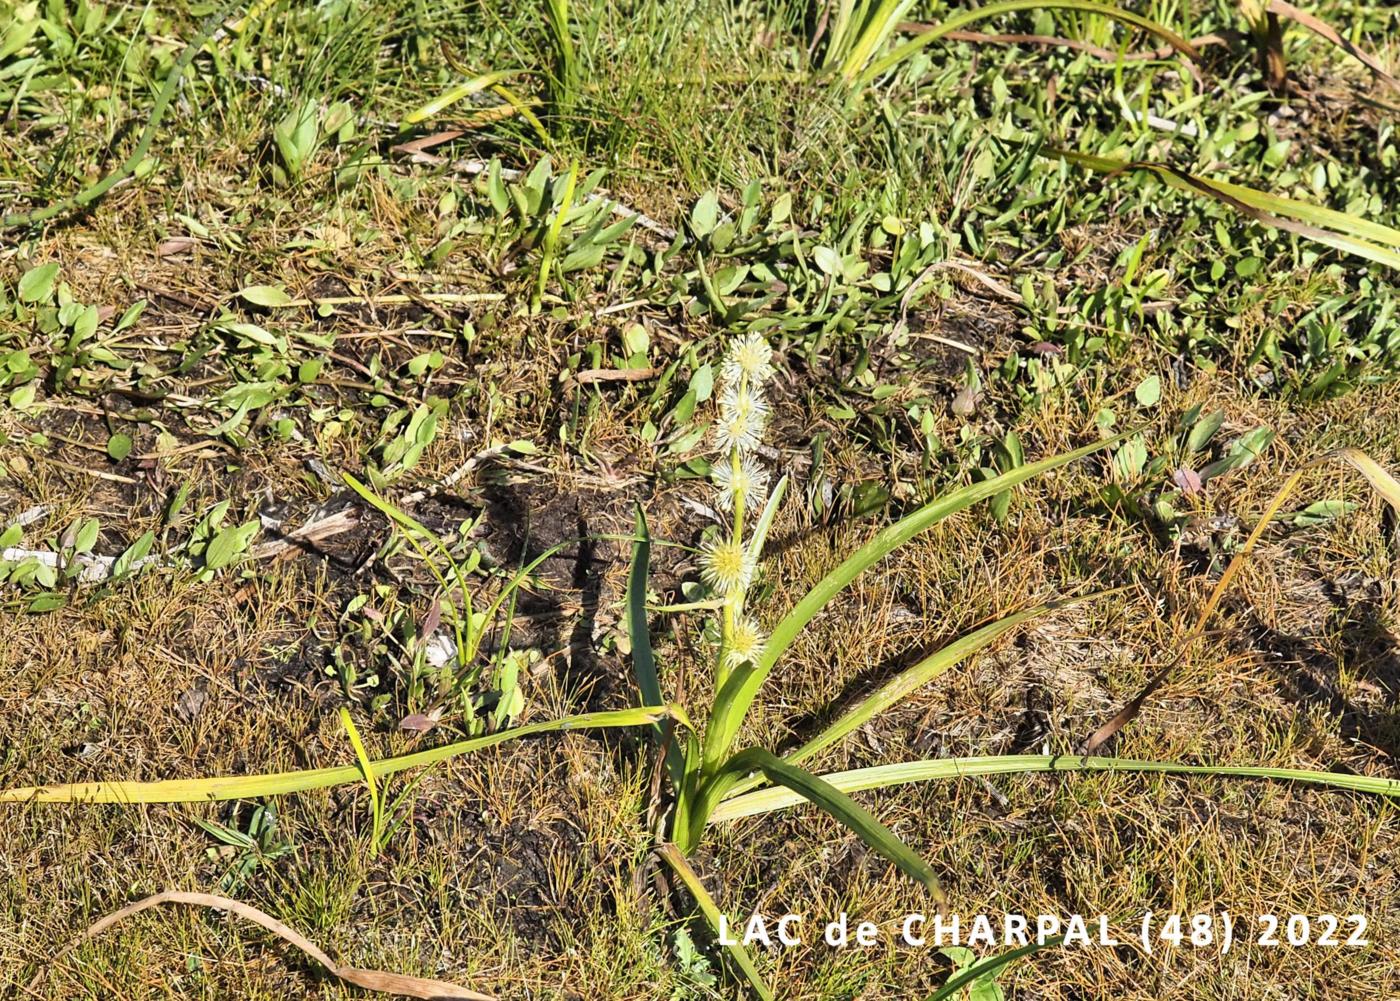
[327,291]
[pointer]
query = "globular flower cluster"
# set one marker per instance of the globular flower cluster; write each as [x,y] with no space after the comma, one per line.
[745,644]
[743,414]
[727,564]
[748,479]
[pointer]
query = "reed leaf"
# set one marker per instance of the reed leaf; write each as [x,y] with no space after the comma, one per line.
[854,73]
[902,685]
[830,799]
[565,70]
[1319,27]
[672,856]
[638,632]
[367,769]
[884,776]
[278,783]
[856,48]
[1383,483]
[1338,230]
[457,93]
[765,519]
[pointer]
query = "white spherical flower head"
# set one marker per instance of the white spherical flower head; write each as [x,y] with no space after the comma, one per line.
[742,416]
[748,356]
[745,644]
[750,479]
[725,565]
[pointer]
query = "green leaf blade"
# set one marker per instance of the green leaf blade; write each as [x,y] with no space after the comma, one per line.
[910,680]
[831,800]
[886,776]
[638,632]
[958,21]
[673,857]
[279,783]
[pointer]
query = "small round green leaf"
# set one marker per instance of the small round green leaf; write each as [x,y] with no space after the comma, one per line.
[119,446]
[37,283]
[1148,391]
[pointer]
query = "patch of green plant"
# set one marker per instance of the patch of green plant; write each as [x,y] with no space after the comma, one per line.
[258,843]
[442,657]
[976,980]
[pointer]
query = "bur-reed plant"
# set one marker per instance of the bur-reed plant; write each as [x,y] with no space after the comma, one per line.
[859,30]
[704,766]
[711,781]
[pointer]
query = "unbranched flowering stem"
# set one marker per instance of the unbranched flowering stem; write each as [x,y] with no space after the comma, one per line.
[742,414]
[734,600]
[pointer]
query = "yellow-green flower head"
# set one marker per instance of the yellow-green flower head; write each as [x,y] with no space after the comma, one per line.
[726,566]
[750,479]
[748,356]
[743,412]
[745,644]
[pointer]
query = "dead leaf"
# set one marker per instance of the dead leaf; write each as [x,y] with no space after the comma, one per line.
[423,143]
[1325,30]
[1188,481]
[965,403]
[419,723]
[432,620]
[371,980]
[190,704]
[176,245]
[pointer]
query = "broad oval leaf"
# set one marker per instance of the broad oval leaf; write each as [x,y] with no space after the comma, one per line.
[36,285]
[270,296]
[119,446]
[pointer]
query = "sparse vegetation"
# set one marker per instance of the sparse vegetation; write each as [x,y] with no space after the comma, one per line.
[389,398]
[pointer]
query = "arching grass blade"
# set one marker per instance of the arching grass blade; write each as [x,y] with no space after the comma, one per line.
[639,634]
[803,785]
[853,72]
[734,699]
[902,685]
[1348,233]
[884,776]
[277,783]
[673,857]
